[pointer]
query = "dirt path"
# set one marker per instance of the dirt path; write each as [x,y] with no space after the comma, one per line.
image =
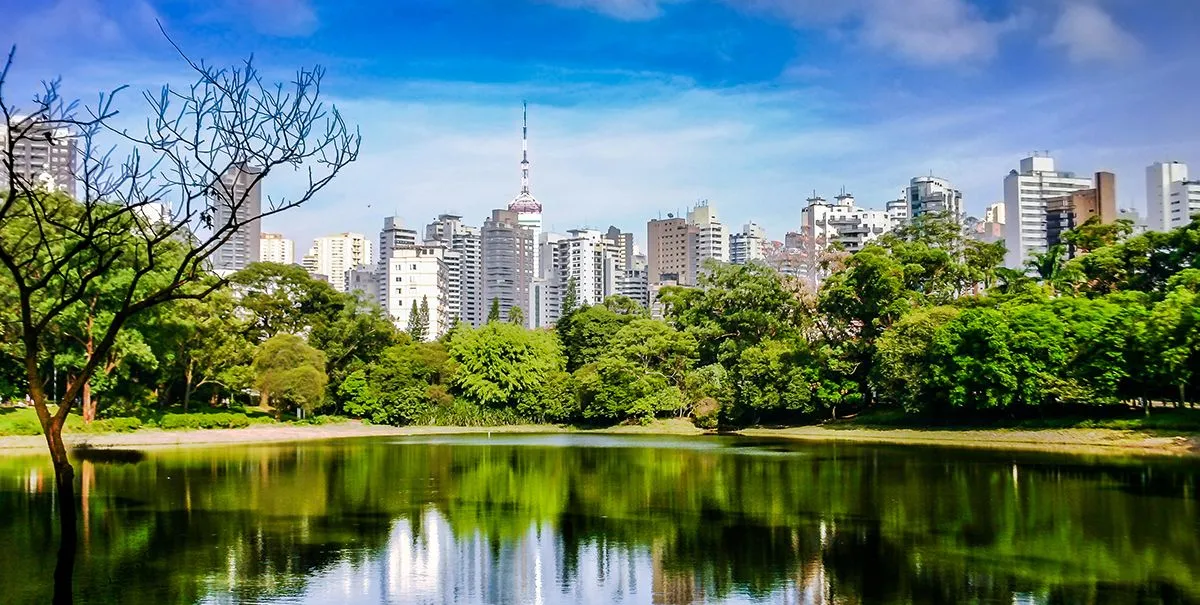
[1097,441]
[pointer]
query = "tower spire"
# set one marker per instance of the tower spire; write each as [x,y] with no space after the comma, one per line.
[524,147]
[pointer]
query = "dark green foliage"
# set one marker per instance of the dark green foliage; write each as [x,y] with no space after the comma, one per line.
[204,421]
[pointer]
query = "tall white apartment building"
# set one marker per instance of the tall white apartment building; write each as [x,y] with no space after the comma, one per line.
[1025,195]
[1183,204]
[994,213]
[414,275]
[335,255]
[275,248]
[1159,178]
[897,211]
[707,238]
[392,236]
[365,282]
[546,291]
[747,245]
[464,259]
[842,222]
[592,261]
[930,195]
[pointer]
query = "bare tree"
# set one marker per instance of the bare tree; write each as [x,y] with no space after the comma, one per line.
[161,210]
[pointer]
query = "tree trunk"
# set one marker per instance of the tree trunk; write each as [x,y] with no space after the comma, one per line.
[89,409]
[187,387]
[64,482]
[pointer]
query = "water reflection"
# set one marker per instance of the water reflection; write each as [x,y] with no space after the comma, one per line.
[609,520]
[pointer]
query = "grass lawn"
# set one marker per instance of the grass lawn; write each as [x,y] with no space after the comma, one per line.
[23,420]
[1162,419]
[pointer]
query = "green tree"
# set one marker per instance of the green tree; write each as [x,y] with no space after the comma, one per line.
[417,326]
[399,387]
[586,333]
[500,364]
[570,298]
[735,307]
[516,316]
[494,311]
[289,374]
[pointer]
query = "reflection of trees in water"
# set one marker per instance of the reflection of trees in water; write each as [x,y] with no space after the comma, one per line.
[861,524]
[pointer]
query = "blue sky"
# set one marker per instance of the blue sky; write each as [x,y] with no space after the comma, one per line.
[642,107]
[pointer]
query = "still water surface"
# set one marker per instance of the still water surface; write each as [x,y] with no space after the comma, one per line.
[609,519]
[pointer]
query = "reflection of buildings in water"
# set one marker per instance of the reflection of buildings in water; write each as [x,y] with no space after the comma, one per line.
[426,562]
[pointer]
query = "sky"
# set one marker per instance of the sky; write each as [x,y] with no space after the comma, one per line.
[639,108]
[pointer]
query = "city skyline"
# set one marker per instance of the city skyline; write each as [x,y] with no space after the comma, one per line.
[750,107]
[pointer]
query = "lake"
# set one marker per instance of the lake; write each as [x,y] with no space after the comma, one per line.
[549,519]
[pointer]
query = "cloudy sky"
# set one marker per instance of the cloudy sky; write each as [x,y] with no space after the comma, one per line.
[642,107]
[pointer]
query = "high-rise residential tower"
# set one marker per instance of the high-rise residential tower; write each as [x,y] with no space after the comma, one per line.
[1025,195]
[1159,177]
[464,262]
[43,156]
[416,277]
[508,263]
[931,194]
[1183,203]
[667,255]
[239,202]
[747,245]
[275,248]
[708,238]
[334,256]
[1076,208]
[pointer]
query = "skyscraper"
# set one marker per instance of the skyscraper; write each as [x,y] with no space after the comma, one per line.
[238,202]
[508,262]
[526,207]
[465,264]
[708,239]
[747,245]
[42,156]
[417,276]
[334,256]
[1076,208]
[667,257]
[931,194]
[275,248]
[1025,195]
[1159,178]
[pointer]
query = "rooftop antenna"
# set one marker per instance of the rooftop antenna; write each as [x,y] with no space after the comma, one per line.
[524,147]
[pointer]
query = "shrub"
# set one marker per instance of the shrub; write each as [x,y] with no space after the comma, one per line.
[222,420]
[111,425]
[706,412]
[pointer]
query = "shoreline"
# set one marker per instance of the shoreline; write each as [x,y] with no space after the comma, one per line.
[1071,440]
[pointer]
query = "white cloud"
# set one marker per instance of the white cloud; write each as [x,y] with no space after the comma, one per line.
[79,24]
[647,149]
[923,32]
[628,10]
[932,32]
[1089,34]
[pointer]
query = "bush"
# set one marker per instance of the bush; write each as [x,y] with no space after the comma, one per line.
[462,412]
[222,420]
[706,413]
[111,425]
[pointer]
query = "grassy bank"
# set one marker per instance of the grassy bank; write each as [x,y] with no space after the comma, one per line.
[21,421]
